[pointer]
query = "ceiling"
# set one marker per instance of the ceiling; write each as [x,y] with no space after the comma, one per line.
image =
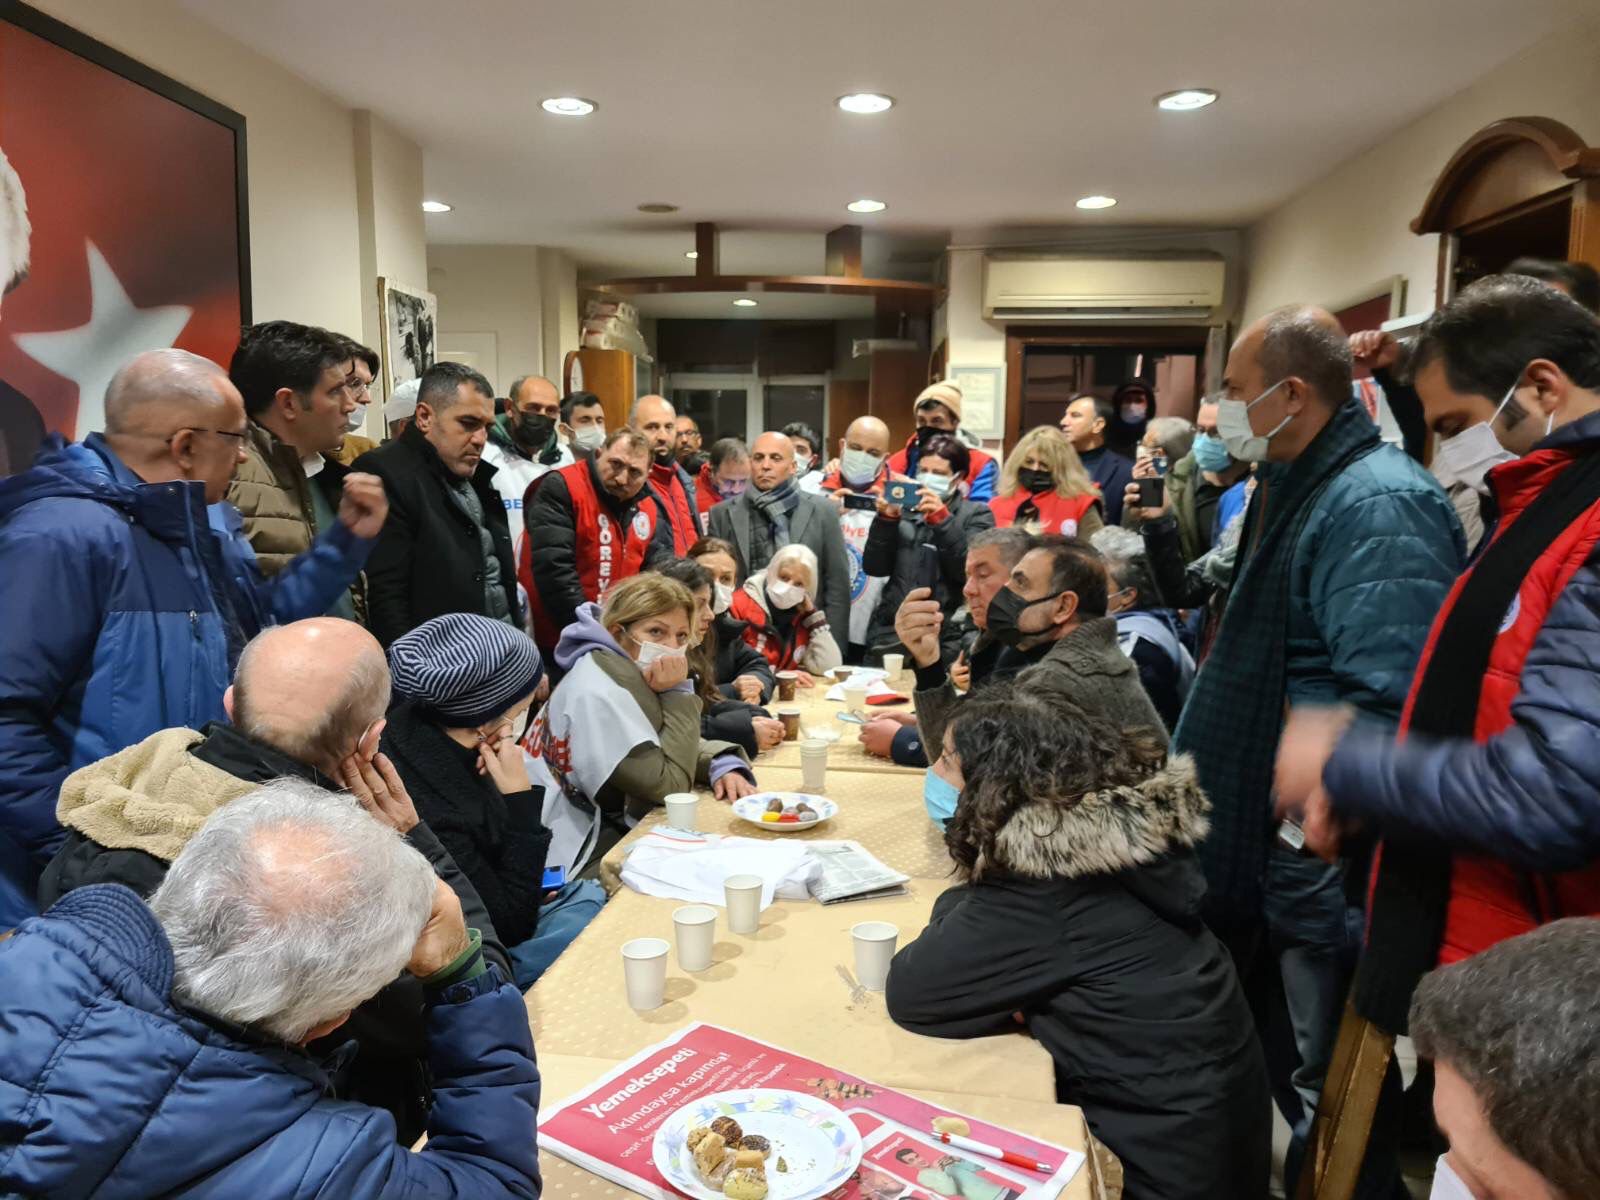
[770,306]
[1007,111]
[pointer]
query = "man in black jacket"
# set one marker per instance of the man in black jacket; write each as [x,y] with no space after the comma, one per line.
[307,701]
[446,546]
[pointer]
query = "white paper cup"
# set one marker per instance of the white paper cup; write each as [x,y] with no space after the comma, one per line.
[696,926]
[855,695]
[894,664]
[743,893]
[813,765]
[874,943]
[681,809]
[644,970]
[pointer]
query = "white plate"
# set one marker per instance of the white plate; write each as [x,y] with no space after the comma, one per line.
[817,1142]
[750,808]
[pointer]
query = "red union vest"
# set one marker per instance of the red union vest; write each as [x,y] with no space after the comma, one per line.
[1057,513]
[606,550]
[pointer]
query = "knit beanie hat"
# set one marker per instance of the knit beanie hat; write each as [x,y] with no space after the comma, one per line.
[465,669]
[946,393]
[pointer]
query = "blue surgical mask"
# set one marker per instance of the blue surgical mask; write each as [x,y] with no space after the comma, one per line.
[939,797]
[939,485]
[1210,454]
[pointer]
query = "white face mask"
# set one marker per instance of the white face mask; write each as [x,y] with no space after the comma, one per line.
[858,468]
[1447,1185]
[802,463]
[356,419]
[939,485]
[590,437]
[649,652]
[784,595]
[1233,427]
[1468,456]
[721,598]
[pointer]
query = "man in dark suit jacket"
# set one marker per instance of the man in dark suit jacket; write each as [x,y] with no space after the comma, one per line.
[447,546]
[773,512]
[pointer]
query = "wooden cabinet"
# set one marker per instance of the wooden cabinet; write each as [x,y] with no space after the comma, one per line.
[610,374]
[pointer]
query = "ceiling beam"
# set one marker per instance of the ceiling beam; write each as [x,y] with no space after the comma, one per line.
[911,297]
[705,245]
[844,252]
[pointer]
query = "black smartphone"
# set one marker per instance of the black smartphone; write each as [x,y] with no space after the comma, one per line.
[862,503]
[926,574]
[1152,492]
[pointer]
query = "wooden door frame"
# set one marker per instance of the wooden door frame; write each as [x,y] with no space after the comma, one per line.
[1019,338]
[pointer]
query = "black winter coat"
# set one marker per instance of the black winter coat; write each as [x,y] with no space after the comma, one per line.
[736,657]
[499,842]
[429,557]
[895,550]
[1089,926]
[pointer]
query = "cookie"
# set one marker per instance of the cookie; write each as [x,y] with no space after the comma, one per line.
[729,1129]
[696,1135]
[708,1152]
[754,1141]
[747,1183]
[730,1159]
[750,1158]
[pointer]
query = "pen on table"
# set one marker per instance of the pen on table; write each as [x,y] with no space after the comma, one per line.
[1016,1160]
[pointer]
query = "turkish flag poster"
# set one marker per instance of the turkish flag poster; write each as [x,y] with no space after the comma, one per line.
[122,226]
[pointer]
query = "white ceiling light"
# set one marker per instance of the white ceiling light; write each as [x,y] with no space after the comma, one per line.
[435,206]
[1186,99]
[744,302]
[569,106]
[866,206]
[692,254]
[1092,202]
[865,103]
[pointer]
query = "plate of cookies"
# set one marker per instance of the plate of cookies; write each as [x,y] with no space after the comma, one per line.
[784,812]
[759,1144]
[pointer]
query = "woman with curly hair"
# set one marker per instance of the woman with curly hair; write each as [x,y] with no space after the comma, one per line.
[1044,488]
[1079,917]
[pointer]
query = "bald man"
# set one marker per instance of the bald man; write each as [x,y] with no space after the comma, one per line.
[773,512]
[307,701]
[523,446]
[861,469]
[1350,550]
[672,489]
[128,588]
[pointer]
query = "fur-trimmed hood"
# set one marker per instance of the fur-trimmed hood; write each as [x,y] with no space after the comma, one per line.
[1114,831]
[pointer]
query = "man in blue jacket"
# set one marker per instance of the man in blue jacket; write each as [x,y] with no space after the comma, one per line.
[1348,550]
[129,590]
[159,1051]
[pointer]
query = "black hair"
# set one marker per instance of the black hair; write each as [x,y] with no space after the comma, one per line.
[283,354]
[1078,568]
[578,400]
[725,448]
[1299,343]
[952,450]
[808,435]
[365,353]
[441,383]
[1104,406]
[1581,281]
[1488,335]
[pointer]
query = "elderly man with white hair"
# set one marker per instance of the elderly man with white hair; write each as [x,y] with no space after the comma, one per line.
[160,1050]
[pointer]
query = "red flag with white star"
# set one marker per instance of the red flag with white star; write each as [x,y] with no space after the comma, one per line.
[134,245]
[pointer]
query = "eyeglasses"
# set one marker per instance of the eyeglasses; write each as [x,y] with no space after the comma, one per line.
[238,437]
[357,387]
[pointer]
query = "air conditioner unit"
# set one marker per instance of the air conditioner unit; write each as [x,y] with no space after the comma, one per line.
[1101,289]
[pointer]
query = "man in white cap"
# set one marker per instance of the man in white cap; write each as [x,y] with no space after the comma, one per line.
[401,407]
[938,410]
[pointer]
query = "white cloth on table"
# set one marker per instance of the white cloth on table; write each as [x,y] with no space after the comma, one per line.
[693,866]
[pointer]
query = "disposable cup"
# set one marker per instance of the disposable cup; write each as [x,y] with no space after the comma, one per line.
[787,682]
[791,723]
[696,926]
[743,894]
[855,695]
[644,970]
[894,664]
[874,945]
[681,809]
[813,764]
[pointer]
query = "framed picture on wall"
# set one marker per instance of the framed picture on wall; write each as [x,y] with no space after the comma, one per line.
[409,318]
[123,225]
[983,400]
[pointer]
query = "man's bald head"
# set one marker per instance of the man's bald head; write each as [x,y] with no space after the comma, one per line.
[771,460]
[869,434]
[161,387]
[312,690]
[655,417]
[1302,342]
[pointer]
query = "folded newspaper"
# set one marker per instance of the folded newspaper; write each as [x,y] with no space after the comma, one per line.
[849,872]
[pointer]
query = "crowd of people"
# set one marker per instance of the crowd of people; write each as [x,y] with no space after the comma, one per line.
[309,745]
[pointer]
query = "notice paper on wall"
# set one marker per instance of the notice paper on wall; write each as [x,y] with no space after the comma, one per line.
[608,1128]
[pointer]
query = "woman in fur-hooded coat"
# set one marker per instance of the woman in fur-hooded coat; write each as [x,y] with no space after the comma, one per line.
[1079,918]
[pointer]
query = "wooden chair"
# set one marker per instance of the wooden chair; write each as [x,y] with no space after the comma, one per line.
[1339,1131]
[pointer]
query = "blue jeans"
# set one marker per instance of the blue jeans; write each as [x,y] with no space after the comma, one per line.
[560,921]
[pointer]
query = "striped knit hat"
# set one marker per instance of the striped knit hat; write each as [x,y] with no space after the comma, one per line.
[465,669]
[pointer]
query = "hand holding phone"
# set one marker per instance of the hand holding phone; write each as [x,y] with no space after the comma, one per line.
[901,493]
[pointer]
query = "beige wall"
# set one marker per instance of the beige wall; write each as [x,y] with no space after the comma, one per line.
[389,213]
[1336,241]
[492,290]
[558,299]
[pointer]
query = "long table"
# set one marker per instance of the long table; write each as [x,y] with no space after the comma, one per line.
[784,984]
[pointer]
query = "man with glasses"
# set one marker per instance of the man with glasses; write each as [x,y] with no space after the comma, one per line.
[129,589]
[364,365]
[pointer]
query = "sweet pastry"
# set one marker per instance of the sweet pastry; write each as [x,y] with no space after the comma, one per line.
[754,1141]
[719,1176]
[746,1183]
[750,1158]
[953,1125]
[774,805]
[729,1129]
[708,1152]
[696,1135]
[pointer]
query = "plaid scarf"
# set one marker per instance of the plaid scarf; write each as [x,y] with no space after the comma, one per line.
[777,506]
[1234,715]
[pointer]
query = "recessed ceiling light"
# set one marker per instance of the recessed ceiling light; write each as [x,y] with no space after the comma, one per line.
[1186,99]
[658,208]
[435,206]
[866,206]
[865,102]
[691,254]
[1097,202]
[744,302]
[569,106]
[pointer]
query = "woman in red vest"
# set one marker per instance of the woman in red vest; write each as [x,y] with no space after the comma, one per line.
[1044,488]
[782,620]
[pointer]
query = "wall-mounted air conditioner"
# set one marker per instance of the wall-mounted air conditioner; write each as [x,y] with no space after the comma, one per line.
[1032,288]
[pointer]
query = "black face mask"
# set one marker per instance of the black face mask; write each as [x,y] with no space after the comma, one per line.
[534,429]
[1004,610]
[1033,479]
[926,433]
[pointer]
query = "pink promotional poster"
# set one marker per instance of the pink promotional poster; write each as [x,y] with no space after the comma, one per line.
[609,1127]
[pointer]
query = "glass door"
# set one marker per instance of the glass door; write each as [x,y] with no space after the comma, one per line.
[722,405]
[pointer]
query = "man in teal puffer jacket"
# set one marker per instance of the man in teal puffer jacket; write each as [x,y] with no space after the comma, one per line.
[1348,550]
